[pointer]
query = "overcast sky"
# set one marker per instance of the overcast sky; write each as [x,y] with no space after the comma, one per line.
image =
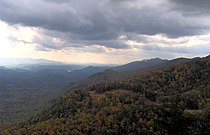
[104,31]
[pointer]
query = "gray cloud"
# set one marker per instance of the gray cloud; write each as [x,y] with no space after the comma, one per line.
[96,19]
[80,23]
[57,41]
[192,7]
[198,49]
[145,39]
[58,1]
[13,39]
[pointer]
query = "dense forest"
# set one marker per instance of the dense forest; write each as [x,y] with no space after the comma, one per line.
[26,89]
[170,100]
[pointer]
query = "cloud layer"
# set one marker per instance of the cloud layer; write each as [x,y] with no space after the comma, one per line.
[112,24]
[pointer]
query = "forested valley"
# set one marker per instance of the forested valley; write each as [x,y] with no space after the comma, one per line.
[169,100]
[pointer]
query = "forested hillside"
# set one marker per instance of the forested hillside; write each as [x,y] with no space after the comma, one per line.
[26,90]
[172,100]
[119,73]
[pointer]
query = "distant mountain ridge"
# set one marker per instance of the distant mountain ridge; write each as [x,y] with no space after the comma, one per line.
[28,63]
[12,62]
[127,70]
[140,64]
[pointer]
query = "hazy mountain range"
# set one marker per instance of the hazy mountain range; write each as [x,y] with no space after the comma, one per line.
[174,88]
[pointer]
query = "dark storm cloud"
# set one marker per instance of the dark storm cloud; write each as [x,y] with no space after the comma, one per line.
[101,22]
[192,7]
[40,14]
